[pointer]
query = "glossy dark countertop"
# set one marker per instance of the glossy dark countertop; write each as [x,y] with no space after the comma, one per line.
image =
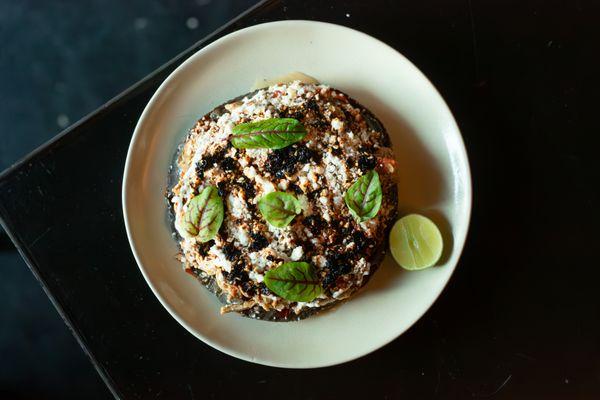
[519,319]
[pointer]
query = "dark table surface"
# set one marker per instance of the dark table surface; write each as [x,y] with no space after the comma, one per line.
[520,317]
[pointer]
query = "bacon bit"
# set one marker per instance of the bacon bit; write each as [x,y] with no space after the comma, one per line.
[189,271]
[386,165]
[277,93]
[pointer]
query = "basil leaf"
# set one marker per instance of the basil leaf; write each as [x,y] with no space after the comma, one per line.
[294,281]
[364,197]
[279,208]
[272,133]
[204,214]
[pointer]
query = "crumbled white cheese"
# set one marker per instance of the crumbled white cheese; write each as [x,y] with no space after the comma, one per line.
[362,267]
[320,261]
[337,125]
[237,207]
[368,225]
[220,260]
[302,181]
[238,233]
[258,260]
[283,184]
[256,277]
[336,175]
[265,185]
[313,179]
[250,172]
[297,253]
[304,204]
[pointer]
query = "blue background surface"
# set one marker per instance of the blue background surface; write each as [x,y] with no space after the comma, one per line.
[60,60]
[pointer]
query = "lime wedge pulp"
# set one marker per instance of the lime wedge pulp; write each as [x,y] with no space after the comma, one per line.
[415,242]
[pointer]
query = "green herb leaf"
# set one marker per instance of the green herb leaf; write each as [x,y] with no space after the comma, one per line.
[279,208]
[272,133]
[364,197]
[294,281]
[204,214]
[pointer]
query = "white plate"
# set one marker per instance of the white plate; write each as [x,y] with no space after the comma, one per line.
[434,174]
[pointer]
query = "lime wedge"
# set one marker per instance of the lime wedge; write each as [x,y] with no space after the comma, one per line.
[416,242]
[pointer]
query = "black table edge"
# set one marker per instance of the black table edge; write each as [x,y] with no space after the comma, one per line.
[21,247]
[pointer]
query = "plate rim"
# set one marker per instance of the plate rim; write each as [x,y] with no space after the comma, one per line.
[468,197]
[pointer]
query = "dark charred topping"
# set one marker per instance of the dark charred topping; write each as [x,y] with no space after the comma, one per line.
[361,242]
[214,116]
[169,196]
[321,124]
[203,248]
[200,167]
[309,249]
[385,139]
[237,274]
[366,162]
[292,113]
[336,151]
[305,155]
[247,186]
[315,223]
[231,252]
[248,288]
[329,280]
[227,164]
[222,186]
[347,115]
[313,106]
[263,289]
[313,194]
[336,266]
[213,159]
[345,230]
[350,162]
[286,160]
[208,162]
[259,242]
[299,115]
[342,228]
[272,258]
[317,121]
[295,188]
